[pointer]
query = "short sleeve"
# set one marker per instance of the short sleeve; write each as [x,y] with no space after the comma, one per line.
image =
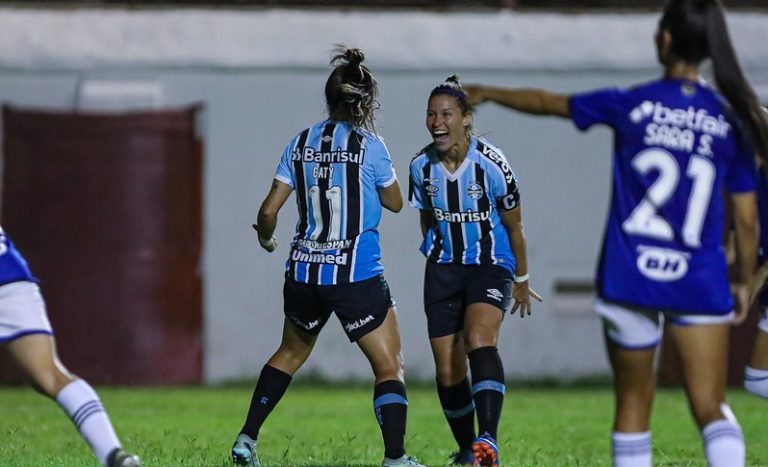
[383,170]
[741,176]
[284,172]
[504,186]
[604,106]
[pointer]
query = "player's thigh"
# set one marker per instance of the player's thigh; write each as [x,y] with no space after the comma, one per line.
[488,295]
[703,350]
[482,322]
[382,348]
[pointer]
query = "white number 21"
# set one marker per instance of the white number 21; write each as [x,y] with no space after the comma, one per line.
[644,219]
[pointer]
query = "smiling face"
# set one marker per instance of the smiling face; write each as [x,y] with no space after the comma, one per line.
[447,125]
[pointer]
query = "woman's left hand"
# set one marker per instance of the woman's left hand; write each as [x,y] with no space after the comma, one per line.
[522,294]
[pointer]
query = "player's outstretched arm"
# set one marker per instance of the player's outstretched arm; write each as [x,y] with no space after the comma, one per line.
[532,101]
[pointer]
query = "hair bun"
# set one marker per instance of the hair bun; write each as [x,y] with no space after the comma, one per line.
[354,56]
[452,79]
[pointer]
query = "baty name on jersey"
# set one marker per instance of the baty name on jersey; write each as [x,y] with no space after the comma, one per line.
[677,128]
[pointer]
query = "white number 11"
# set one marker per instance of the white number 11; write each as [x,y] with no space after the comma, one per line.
[333,195]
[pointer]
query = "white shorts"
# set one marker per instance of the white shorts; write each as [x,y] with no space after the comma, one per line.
[642,329]
[763,323]
[22,311]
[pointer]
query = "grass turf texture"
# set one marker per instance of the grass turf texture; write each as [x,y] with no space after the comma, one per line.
[326,426]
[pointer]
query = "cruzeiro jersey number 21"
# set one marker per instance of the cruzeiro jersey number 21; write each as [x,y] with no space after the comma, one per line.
[644,219]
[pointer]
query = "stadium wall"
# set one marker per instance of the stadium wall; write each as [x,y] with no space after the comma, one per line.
[260,73]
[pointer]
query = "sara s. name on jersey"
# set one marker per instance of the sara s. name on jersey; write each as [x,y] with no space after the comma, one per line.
[335,169]
[465,205]
[676,148]
[13,266]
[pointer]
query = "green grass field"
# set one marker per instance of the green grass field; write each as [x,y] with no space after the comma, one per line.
[325,426]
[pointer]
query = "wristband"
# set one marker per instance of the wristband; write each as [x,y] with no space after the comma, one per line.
[266,243]
[519,279]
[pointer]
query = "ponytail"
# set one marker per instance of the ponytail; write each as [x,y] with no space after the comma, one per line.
[731,81]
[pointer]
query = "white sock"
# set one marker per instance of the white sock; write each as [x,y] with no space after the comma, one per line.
[756,381]
[631,449]
[724,444]
[83,406]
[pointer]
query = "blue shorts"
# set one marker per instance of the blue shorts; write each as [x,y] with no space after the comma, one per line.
[450,288]
[360,306]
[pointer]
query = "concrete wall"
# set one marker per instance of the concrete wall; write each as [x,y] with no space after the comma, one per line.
[260,75]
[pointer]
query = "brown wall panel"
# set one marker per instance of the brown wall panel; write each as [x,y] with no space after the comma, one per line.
[107,210]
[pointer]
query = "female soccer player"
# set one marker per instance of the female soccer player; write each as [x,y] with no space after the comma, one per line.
[471,219]
[342,174]
[27,333]
[678,144]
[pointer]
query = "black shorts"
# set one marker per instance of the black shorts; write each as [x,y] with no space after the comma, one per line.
[360,306]
[450,288]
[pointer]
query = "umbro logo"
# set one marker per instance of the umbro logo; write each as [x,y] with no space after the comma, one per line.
[495,294]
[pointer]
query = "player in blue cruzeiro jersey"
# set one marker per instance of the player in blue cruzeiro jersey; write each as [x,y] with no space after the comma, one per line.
[27,333]
[471,219]
[678,145]
[342,174]
[756,372]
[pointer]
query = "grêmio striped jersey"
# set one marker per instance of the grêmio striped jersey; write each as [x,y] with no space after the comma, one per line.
[335,169]
[465,205]
[13,267]
[677,147]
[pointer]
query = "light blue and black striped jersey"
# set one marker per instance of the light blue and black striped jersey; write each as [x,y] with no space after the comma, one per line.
[13,267]
[465,205]
[677,148]
[336,169]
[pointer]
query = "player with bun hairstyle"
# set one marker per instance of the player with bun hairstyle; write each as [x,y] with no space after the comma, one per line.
[471,220]
[662,257]
[342,174]
[26,332]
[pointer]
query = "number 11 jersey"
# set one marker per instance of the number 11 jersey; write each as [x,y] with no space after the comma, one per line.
[336,169]
[677,146]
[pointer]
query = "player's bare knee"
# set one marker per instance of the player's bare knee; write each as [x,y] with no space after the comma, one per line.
[391,368]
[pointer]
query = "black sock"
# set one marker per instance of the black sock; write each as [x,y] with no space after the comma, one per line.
[390,404]
[268,392]
[459,410]
[487,388]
